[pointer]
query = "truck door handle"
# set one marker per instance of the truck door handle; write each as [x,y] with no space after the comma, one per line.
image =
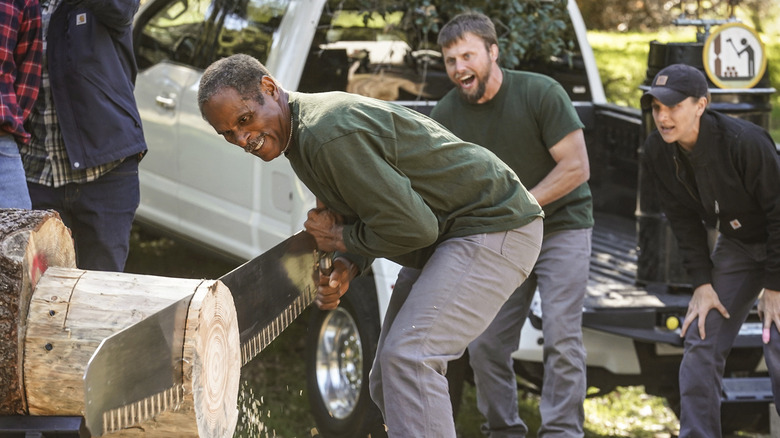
[165,102]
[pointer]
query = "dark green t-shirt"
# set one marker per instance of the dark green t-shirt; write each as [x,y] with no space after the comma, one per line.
[529,114]
[402,181]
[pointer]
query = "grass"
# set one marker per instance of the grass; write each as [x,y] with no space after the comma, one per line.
[625,412]
[272,399]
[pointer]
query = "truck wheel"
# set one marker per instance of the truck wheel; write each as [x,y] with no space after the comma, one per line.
[340,349]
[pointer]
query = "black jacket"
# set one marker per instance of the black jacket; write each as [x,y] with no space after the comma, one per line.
[737,191]
[92,71]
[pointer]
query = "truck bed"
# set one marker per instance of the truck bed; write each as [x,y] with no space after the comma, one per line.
[613,267]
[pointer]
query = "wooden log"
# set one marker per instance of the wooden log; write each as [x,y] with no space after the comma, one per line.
[72,311]
[53,317]
[30,242]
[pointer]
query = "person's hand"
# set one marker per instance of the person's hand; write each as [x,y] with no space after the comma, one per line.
[326,227]
[769,311]
[333,286]
[703,300]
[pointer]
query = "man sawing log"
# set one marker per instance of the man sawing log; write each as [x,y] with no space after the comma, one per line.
[270,292]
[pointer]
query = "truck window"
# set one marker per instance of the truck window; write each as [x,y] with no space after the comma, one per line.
[369,54]
[375,56]
[172,33]
[197,32]
[249,27]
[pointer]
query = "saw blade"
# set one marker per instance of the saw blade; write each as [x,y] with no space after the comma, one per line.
[136,373]
[271,290]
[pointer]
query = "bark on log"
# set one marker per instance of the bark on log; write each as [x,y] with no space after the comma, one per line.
[72,311]
[30,242]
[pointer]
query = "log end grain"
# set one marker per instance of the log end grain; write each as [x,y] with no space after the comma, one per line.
[216,364]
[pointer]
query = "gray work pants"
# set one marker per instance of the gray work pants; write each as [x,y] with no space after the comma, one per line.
[561,274]
[433,315]
[737,277]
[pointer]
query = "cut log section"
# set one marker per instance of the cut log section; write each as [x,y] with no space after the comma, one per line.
[30,242]
[72,311]
[53,317]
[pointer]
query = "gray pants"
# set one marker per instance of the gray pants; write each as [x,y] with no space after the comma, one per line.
[433,315]
[737,277]
[561,273]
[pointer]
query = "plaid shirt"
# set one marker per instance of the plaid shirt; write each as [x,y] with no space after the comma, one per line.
[20,63]
[45,158]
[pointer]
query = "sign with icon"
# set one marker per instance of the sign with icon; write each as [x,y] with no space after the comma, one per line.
[734,56]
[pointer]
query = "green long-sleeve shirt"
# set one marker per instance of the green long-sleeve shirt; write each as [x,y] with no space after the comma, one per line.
[402,182]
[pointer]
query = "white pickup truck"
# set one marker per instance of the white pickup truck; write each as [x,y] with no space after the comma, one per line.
[197,187]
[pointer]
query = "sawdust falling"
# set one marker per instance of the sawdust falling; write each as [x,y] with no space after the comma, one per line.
[250,420]
[254,412]
[260,414]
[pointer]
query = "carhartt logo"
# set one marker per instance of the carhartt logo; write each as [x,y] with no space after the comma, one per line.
[735,224]
[81,19]
[661,80]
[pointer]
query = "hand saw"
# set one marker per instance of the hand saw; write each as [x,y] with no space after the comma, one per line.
[140,366]
[270,291]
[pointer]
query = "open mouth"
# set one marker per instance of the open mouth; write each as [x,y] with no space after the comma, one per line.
[467,80]
[255,144]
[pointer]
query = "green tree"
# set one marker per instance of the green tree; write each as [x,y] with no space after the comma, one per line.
[528,30]
[644,15]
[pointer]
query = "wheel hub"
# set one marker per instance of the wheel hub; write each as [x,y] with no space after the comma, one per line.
[339,363]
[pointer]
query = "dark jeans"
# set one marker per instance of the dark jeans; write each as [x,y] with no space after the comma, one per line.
[737,276]
[99,214]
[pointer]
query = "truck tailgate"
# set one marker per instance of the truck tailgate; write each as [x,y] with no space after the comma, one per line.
[616,304]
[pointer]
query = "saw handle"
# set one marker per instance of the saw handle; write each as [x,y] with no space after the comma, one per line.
[326,263]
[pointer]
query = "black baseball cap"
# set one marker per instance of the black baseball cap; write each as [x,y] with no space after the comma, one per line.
[675,83]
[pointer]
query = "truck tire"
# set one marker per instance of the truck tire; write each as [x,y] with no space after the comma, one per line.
[340,349]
